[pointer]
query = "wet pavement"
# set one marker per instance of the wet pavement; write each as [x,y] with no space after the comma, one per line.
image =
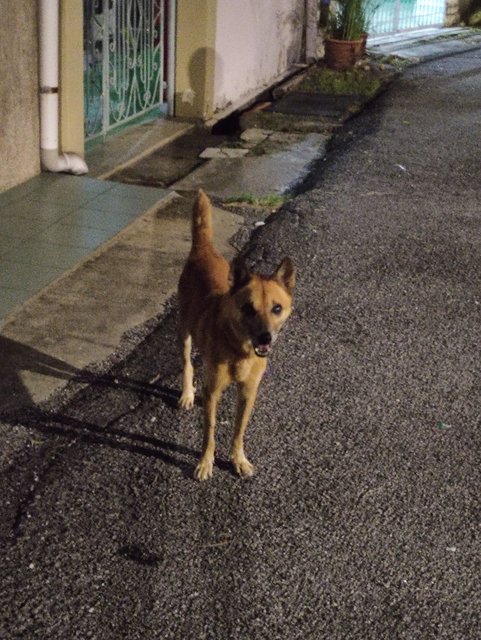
[53,222]
[363,518]
[132,144]
[87,312]
[172,161]
[274,173]
[426,44]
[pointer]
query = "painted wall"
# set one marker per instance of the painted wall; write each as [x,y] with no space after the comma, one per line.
[228,51]
[19,115]
[255,43]
[194,58]
[71,76]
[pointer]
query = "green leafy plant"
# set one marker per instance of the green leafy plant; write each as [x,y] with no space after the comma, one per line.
[349,19]
[269,201]
[360,81]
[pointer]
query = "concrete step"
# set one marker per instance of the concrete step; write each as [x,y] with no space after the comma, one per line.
[425,45]
[277,172]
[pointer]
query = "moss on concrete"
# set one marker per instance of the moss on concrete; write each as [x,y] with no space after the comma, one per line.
[363,81]
[475,19]
[271,201]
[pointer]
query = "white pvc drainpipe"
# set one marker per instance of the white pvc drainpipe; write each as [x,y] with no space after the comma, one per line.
[51,158]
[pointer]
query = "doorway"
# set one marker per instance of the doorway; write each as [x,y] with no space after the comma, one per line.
[125,62]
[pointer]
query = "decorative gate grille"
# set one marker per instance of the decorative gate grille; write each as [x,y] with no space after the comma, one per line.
[392,16]
[124,61]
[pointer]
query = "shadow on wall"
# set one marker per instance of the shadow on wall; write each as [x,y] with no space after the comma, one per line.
[196,101]
[293,21]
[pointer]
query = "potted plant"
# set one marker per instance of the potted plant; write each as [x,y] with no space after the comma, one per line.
[347,34]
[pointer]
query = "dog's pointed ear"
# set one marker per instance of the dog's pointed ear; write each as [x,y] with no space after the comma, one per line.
[286,274]
[239,274]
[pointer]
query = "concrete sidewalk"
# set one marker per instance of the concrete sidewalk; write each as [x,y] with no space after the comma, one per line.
[83,315]
[426,44]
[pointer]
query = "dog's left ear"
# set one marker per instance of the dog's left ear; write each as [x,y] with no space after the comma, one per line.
[239,274]
[286,274]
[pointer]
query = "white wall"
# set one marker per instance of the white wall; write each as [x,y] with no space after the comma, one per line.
[256,41]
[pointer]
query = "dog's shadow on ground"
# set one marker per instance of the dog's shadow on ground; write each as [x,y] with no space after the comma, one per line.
[17,407]
[16,360]
[171,453]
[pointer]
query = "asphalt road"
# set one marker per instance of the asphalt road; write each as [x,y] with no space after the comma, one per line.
[363,520]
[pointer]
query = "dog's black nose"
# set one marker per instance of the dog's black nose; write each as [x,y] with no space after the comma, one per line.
[264,338]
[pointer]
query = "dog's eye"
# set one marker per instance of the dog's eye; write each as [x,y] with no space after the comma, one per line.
[248,310]
[277,309]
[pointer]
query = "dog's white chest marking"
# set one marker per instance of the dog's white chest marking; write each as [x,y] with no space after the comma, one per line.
[242,370]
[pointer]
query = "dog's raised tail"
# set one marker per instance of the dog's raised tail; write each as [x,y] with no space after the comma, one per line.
[202,219]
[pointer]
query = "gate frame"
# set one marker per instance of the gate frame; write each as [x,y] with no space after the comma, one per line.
[396,20]
[166,69]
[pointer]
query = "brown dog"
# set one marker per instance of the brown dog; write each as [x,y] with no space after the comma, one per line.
[233,317]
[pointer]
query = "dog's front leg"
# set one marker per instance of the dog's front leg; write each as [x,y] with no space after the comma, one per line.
[246,396]
[186,400]
[214,386]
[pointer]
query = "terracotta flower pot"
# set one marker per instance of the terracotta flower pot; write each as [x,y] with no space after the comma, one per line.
[343,54]
[364,43]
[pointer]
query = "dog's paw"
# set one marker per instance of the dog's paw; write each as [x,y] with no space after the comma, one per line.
[186,401]
[204,470]
[243,466]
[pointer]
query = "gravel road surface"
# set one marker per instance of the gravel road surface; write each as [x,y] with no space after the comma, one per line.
[363,519]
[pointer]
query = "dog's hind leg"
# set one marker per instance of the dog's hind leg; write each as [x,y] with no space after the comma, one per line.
[186,400]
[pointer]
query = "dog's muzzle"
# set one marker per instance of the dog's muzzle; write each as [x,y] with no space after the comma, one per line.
[262,344]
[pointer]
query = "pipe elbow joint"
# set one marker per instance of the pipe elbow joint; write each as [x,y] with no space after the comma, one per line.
[68,162]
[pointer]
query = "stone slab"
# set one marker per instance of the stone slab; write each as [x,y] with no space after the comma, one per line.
[428,51]
[418,35]
[171,161]
[427,44]
[131,145]
[314,104]
[254,136]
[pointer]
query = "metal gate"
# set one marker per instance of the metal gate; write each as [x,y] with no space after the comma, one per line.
[124,61]
[391,16]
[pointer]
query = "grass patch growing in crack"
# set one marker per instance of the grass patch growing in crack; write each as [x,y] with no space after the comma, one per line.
[269,201]
[354,81]
[391,60]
